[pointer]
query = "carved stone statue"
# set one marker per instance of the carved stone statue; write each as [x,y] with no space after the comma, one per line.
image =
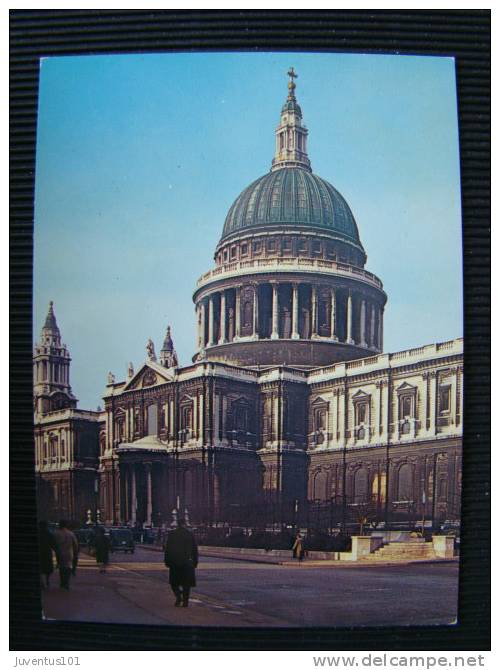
[202,354]
[150,348]
[130,370]
[111,378]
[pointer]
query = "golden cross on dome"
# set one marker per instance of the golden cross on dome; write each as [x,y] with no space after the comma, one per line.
[291,83]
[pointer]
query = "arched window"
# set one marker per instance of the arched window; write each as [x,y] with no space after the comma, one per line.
[378,486]
[320,483]
[152,419]
[320,420]
[119,427]
[247,314]
[360,485]
[53,447]
[442,489]
[405,483]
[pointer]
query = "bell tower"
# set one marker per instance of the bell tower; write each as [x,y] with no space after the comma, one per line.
[168,357]
[51,361]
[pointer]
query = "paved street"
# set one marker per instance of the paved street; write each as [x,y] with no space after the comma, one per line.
[238,593]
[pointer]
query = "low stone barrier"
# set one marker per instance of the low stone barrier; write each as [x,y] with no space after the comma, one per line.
[443,546]
[283,554]
[363,545]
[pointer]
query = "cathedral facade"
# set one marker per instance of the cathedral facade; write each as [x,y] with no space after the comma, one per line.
[289,402]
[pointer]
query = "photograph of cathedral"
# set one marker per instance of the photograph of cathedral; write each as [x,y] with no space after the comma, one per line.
[291,412]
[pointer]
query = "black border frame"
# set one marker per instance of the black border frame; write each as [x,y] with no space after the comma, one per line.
[463,34]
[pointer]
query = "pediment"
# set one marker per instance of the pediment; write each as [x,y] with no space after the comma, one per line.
[405,387]
[150,374]
[319,401]
[361,395]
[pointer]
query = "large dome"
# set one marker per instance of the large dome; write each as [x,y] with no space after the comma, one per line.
[289,286]
[294,197]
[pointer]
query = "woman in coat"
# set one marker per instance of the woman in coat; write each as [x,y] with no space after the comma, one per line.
[46,545]
[102,546]
[298,547]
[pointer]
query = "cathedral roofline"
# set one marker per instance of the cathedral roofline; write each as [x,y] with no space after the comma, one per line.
[351,368]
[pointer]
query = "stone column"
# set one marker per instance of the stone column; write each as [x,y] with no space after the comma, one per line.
[380,335]
[224,419]
[275,332]
[333,312]
[211,321]
[126,502]
[133,511]
[314,311]
[149,495]
[256,312]
[460,377]
[433,400]
[372,326]
[195,415]
[295,312]
[349,339]
[362,324]
[222,335]
[202,334]
[237,313]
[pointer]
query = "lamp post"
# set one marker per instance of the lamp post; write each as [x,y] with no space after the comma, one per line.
[423,512]
[96,497]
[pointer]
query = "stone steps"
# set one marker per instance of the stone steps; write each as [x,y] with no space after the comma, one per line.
[403,551]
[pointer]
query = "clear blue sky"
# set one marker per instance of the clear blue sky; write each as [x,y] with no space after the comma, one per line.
[139,158]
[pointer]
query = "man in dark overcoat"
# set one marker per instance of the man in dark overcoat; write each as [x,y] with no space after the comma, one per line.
[46,545]
[181,557]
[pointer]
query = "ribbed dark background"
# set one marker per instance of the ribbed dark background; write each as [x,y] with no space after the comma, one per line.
[462,34]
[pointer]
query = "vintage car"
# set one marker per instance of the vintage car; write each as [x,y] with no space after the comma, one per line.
[122,539]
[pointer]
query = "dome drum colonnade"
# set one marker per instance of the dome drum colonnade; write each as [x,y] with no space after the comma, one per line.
[281,308]
[289,266]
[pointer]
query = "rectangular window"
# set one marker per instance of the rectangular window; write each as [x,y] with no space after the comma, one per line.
[257,247]
[406,407]
[233,253]
[317,247]
[244,249]
[444,399]
[361,413]
[271,245]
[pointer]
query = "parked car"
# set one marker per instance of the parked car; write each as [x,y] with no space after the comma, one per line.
[122,539]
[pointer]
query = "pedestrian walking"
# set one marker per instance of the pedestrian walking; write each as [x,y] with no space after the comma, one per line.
[298,548]
[102,546]
[181,557]
[66,552]
[46,545]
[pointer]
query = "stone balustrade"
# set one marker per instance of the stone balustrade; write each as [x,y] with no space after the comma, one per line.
[259,266]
